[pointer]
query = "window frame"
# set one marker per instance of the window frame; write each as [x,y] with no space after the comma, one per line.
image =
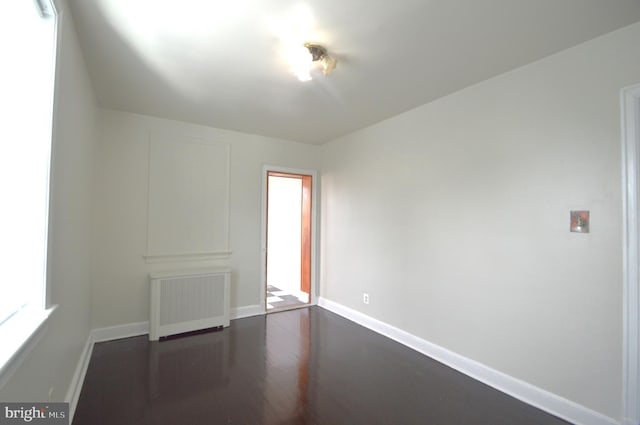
[22,331]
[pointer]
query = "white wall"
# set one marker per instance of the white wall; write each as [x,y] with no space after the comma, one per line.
[455,218]
[120,291]
[52,362]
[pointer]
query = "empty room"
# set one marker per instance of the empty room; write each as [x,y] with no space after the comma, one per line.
[320,212]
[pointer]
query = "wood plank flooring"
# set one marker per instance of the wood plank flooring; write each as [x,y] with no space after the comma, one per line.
[306,366]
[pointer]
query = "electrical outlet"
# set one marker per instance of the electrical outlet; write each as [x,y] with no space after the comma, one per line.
[365,298]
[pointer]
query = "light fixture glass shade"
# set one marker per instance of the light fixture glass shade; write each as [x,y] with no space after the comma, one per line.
[301,60]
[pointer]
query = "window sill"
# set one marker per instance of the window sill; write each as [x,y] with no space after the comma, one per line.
[19,335]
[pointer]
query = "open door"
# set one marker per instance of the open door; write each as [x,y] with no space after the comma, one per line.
[288,240]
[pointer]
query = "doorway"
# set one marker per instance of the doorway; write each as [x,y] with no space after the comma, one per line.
[288,240]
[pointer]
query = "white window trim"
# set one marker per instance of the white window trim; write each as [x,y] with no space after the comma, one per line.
[19,335]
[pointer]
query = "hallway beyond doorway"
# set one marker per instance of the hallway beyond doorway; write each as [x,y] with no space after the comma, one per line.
[288,240]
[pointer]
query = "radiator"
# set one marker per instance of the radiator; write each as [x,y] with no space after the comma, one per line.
[188,301]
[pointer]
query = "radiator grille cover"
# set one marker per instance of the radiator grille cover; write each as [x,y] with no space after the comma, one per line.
[188,301]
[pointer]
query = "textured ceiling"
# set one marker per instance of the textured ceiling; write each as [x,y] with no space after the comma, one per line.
[220,64]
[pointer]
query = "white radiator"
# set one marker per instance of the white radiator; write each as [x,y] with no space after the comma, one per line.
[188,301]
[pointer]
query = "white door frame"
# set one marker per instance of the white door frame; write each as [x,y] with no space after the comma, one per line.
[314,225]
[630,108]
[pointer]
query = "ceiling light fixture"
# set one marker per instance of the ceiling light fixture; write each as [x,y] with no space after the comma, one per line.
[308,56]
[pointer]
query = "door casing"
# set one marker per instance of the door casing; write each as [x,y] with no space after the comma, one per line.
[313,292]
[630,107]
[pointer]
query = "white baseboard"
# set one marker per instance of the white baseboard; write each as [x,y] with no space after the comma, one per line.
[246,311]
[111,333]
[121,331]
[97,335]
[75,387]
[530,394]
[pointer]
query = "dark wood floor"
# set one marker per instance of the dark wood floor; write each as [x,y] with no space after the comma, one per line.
[306,366]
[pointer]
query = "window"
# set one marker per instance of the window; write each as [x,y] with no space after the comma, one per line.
[27,43]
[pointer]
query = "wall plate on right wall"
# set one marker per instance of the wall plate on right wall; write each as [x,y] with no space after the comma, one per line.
[579,221]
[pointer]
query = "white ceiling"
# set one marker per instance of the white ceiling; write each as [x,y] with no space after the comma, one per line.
[220,64]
